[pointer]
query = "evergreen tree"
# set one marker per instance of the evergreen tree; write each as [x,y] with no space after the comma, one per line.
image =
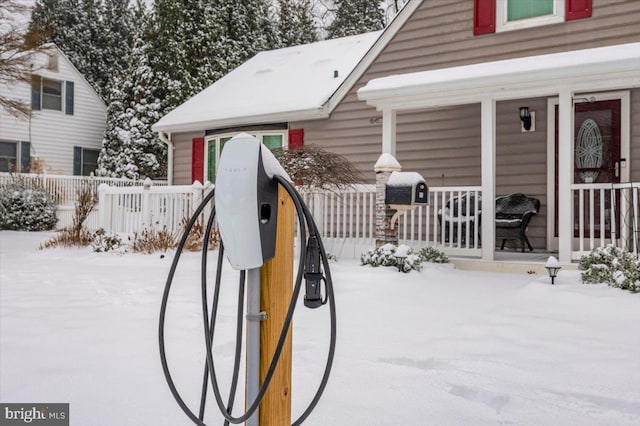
[96,36]
[130,149]
[296,23]
[356,17]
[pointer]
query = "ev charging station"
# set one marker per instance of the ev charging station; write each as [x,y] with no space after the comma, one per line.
[246,207]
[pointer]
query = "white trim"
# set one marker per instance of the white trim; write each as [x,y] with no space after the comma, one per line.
[488,173]
[565,174]
[249,120]
[598,69]
[625,149]
[503,25]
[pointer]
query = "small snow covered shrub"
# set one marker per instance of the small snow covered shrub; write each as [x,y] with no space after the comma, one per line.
[433,255]
[611,265]
[388,254]
[26,209]
[104,242]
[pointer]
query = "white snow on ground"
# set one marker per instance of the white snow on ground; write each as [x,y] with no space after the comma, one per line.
[436,347]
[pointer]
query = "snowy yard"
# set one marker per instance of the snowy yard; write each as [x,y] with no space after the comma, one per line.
[436,347]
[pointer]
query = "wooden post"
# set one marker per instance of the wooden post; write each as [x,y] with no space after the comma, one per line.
[276,288]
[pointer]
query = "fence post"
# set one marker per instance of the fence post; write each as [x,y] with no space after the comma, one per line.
[198,190]
[146,204]
[104,212]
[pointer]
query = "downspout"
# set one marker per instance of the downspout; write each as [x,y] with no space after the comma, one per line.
[167,139]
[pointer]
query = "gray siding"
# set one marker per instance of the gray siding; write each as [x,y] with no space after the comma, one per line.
[635,135]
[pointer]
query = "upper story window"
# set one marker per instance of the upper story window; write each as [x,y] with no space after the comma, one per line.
[518,14]
[52,94]
[492,16]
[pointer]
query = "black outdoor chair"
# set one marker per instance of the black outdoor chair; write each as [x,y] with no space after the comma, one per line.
[513,213]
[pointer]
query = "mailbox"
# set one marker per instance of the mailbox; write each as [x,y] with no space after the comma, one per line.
[406,188]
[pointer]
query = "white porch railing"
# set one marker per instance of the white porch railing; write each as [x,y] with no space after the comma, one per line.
[604,214]
[132,209]
[346,220]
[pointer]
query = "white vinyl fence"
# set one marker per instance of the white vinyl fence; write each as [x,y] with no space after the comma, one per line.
[128,210]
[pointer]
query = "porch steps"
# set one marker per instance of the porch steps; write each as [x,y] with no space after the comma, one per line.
[523,266]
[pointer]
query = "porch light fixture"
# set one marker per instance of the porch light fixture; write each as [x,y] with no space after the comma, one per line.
[553,266]
[525,116]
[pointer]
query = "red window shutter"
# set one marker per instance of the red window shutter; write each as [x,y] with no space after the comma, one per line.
[577,9]
[296,138]
[197,160]
[484,17]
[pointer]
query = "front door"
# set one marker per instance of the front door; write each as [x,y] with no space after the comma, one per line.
[597,152]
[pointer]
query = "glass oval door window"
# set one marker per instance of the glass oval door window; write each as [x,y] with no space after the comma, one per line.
[589,150]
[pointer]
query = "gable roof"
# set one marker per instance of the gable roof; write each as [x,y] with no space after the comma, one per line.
[268,88]
[287,84]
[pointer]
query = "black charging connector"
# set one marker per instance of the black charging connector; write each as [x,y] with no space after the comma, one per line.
[313,275]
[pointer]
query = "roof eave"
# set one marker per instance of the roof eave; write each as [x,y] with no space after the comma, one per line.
[286,116]
[604,76]
[389,32]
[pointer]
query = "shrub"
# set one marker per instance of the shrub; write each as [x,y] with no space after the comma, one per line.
[104,242]
[152,240]
[26,209]
[76,235]
[611,265]
[386,256]
[195,240]
[433,255]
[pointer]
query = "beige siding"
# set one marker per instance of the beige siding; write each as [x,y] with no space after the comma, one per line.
[444,145]
[53,134]
[182,156]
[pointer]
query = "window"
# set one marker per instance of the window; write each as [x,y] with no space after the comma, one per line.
[215,146]
[15,156]
[51,94]
[85,161]
[518,14]
[48,94]
[8,156]
[490,16]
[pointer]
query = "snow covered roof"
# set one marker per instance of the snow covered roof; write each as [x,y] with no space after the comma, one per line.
[589,69]
[287,84]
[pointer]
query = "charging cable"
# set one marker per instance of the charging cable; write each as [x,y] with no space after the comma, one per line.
[313,267]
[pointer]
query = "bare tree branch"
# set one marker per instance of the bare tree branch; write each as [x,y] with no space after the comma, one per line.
[15,62]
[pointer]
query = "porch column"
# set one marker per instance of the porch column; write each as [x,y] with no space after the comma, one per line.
[389,131]
[488,174]
[565,175]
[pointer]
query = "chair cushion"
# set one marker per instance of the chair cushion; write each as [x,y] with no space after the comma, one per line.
[508,223]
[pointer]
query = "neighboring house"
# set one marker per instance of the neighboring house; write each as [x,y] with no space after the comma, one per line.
[63,134]
[442,89]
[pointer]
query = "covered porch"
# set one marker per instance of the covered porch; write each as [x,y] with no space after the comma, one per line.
[581,208]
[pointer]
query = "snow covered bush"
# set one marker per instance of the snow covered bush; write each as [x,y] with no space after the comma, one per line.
[388,255]
[433,255]
[104,242]
[26,209]
[611,265]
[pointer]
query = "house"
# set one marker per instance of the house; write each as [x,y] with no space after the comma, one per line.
[444,87]
[63,134]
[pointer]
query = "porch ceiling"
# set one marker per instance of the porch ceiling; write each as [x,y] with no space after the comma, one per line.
[603,68]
